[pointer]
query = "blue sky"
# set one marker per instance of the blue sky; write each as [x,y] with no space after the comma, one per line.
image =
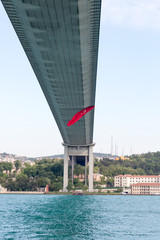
[128,83]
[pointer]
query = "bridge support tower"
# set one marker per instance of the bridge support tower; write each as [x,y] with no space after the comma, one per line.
[71,152]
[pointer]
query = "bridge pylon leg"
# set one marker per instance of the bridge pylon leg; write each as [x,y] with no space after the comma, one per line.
[72,169]
[85,174]
[65,169]
[90,168]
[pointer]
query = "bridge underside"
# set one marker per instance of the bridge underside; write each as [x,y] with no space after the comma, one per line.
[61,40]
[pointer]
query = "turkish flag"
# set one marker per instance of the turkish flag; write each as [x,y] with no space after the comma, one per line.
[78,115]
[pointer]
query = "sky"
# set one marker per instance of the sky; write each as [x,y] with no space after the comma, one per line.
[127,96]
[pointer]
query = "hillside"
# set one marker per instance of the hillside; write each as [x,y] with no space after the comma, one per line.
[26,176]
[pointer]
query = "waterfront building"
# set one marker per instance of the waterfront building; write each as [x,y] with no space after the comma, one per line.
[146,188]
[127,180]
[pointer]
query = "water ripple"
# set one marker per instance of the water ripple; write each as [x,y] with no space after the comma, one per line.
[79,217]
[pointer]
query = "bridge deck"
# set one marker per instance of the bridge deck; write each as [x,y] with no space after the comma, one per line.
[61,39]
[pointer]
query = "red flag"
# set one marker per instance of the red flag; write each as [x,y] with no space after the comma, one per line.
[78,115]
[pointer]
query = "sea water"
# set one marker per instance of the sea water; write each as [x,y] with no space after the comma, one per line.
[79,217]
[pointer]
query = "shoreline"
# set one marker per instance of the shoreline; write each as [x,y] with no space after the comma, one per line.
[65,193]
[55,193]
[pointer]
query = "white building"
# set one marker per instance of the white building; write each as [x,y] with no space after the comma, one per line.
[146,188]
[128,179]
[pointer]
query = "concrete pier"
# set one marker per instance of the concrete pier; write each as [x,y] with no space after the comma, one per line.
[72,152]
[91,168]
[65,169]
[85,174]
[72,169]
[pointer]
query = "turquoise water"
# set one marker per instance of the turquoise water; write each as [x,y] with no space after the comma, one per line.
[79,217]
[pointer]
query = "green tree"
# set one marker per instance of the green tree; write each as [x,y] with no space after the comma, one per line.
[42,182]
[56,186]
[30,171]
[57,169]
[78,170]
[7,166]
[70,186]
[32,185]
[110,182]
[96,169]
[10,185]
[17,164]
[77,183]
[22,182]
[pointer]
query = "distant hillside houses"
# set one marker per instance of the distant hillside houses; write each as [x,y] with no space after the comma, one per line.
[6,157]
[97,177]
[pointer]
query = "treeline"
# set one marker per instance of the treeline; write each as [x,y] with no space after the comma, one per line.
[138,164]
[33,177]
[5,166]
[142,164]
